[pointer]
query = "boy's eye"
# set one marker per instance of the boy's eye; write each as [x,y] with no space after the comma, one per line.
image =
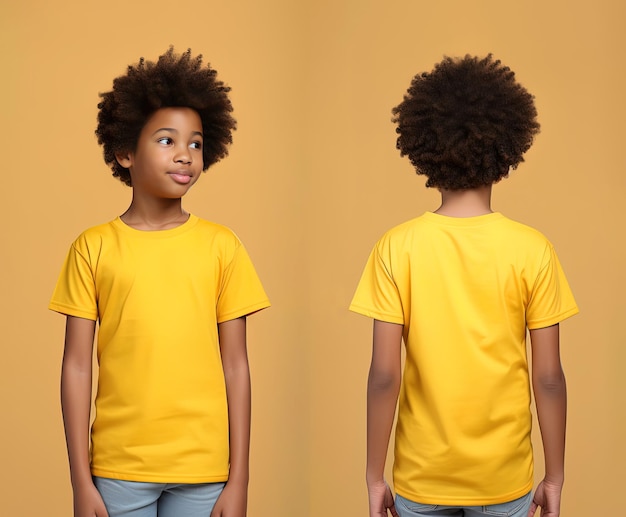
[165,140]
[196,145]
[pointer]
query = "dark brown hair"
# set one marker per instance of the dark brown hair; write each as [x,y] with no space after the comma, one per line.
[172,81]
[467,122]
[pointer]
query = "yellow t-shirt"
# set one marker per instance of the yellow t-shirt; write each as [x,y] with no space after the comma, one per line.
[466,290]
[161,410]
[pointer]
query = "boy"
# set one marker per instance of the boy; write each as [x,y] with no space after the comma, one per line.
[461,285]
[170,293]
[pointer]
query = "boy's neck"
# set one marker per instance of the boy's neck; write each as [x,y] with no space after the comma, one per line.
[465,203]
[162,214]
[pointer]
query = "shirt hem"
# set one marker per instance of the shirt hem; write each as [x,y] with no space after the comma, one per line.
[72,311]
[158,478]
[250,309]
[467,501]
[553,320]
[389,318]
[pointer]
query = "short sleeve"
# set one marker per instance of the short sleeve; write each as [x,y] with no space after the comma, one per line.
[551,299]
[75,291]
[377,294]
[241,292]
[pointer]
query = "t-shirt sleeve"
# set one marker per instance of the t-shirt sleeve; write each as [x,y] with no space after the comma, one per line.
[551,300]
[241,292]
[377,294]
[75,291]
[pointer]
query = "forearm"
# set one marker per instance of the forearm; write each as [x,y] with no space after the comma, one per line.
[551,402]
[550,398]
[382,396]
[239,403]
[76,402]
[232,335]
[383,385]
[76,379]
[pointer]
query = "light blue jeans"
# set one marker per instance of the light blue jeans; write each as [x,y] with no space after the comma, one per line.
[517,508]
[134,499]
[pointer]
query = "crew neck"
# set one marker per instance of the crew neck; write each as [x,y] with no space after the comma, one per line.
[475,220]
[155,234]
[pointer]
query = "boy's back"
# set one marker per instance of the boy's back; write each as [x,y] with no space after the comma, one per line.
[461,286]
[465,289]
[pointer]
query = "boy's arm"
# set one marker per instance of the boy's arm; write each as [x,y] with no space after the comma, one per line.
[232,336]
[383,385]
[76,376]
[551,401]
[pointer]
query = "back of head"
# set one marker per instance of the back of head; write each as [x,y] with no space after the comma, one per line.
[465,123]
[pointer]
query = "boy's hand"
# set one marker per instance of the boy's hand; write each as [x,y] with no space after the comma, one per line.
[381,499]
[232,502]
[548,496]
[88,502]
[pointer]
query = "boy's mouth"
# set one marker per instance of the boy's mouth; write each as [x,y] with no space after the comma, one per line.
[180,177]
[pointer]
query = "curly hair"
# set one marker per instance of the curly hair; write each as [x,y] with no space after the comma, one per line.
[466,123]
[173,81]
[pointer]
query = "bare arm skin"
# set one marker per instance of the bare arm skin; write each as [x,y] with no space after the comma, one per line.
[76,377]
[383,386]
[551,400]
[234,499]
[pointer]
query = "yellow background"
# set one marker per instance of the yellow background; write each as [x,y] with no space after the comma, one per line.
[312,181]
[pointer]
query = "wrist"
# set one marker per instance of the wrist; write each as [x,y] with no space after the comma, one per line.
[239,480]
[374,480]
[81,481]
[555,480]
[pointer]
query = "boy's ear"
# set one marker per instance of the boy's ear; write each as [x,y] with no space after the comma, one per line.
[125,159]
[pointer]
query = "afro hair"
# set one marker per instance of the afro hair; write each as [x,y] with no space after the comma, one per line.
[172,81]
[466,123]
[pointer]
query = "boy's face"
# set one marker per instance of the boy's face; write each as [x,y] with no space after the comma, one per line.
[168,159]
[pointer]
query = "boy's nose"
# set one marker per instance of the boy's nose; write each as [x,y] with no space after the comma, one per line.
[183,155]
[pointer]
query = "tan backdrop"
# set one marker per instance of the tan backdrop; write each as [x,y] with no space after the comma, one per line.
[312,181]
